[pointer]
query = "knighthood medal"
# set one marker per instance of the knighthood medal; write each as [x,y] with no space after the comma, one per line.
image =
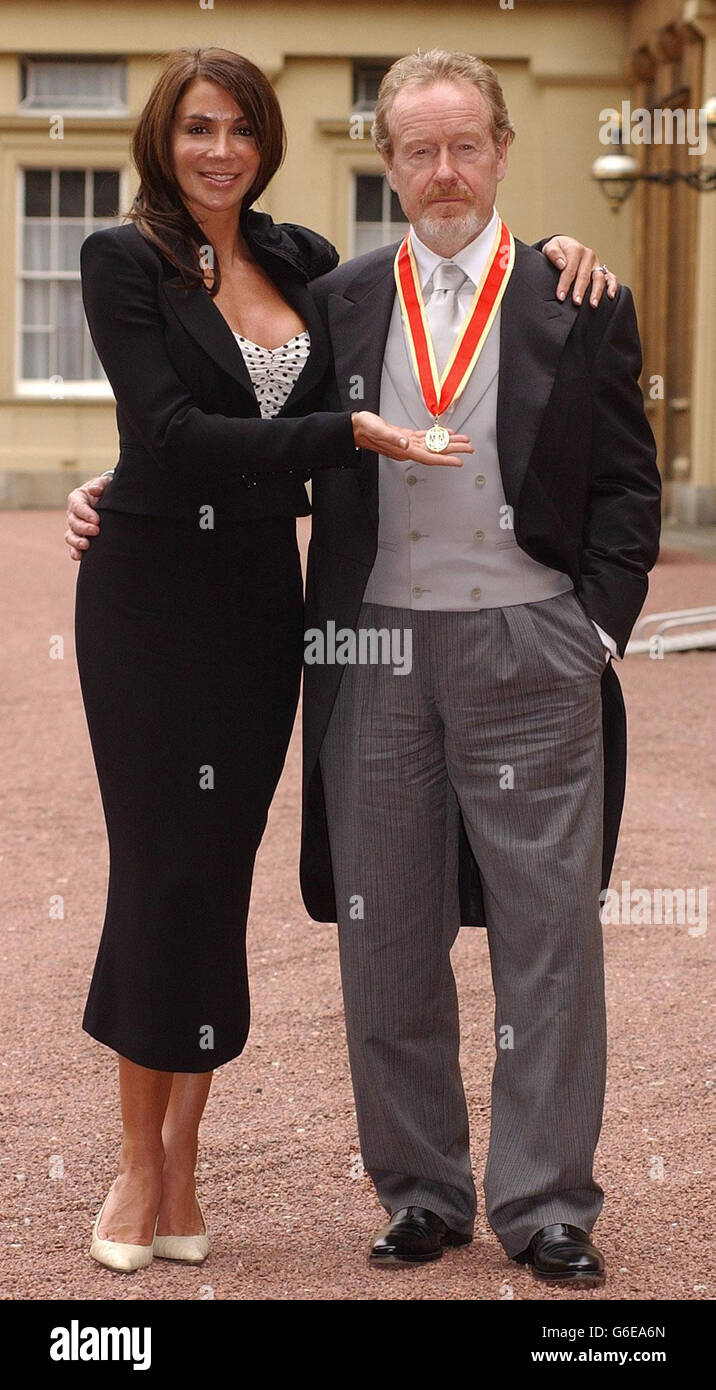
[441,391]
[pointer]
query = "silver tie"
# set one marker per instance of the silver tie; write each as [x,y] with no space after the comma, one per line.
[444,311]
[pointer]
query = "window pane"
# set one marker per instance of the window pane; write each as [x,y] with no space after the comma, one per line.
[36,247]
[367,78]
[70,330]
[396,212]
[66,84]
[72,192]
[367,238]
[36,355]
[106,193]
[37,192]
[96,369]
[70,236]
[36,302]
[69,355]
[369,197]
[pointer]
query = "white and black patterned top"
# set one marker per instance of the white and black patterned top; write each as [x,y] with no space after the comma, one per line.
[274,371]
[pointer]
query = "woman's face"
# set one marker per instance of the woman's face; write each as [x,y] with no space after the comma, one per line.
[215,150]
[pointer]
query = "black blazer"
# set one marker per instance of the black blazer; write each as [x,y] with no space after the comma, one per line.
[190,427]
[578,464]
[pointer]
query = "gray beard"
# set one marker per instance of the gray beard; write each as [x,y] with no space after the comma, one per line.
[446,235]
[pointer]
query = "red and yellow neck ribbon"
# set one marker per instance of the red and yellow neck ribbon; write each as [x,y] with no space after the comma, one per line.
[440,391]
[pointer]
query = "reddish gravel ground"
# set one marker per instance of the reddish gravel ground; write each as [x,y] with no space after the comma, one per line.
[279,1175]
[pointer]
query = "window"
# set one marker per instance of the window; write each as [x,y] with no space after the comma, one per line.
[367,78]
[60,207]
[74,84]
[378,218]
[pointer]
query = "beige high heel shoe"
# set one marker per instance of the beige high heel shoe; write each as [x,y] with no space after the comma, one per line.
[114,1254]
[191,1250]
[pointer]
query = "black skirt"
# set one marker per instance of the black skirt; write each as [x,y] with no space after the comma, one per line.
[189,648]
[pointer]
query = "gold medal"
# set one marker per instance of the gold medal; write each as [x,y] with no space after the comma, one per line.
[437,439]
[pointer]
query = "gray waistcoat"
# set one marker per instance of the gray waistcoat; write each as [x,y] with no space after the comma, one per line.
[445,536]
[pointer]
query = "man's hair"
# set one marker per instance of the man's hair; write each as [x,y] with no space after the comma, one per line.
[425,70]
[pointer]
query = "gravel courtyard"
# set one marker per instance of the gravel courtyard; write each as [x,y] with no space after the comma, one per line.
[280,1178]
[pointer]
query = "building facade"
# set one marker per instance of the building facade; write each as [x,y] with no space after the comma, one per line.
[74,76]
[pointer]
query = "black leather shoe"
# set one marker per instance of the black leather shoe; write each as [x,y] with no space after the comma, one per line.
[563,1254]
[413,1236]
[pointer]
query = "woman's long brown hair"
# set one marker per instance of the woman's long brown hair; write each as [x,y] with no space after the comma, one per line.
[158,206]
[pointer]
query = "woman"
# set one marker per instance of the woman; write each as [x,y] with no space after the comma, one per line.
[189,605]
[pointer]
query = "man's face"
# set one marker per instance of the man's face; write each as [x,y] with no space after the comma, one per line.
[444,165]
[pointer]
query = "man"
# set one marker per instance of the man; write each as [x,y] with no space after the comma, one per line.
[348,517]
[517,577]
